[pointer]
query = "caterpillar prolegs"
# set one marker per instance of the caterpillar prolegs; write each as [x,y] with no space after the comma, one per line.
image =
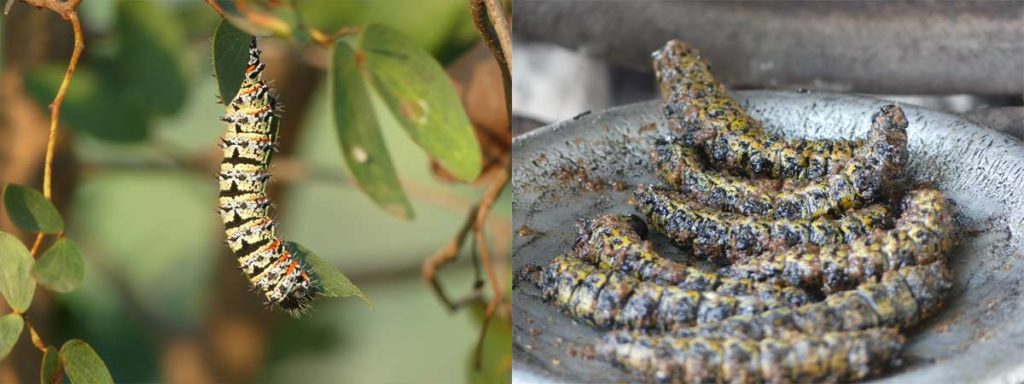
[275,271]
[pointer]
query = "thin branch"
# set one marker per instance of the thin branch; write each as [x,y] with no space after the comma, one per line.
[216,7]
[446,255]
[490,21]
[492,194]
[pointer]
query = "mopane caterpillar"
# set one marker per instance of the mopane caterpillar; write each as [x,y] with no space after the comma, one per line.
[724,236]
[615,242]
[859,181]
[901,299]
[712,121]
[923,233]
[612,300]
[282,278]
[829,357]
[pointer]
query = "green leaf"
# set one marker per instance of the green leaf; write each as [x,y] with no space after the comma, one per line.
[358,130]
[16,283]
[10,329]
[50,368]
[230,56]
[332,282]
[420,95]
[82,364]
[278,18]
[91,106]
[61,268]
[496,361]
[149,58]
[29,210]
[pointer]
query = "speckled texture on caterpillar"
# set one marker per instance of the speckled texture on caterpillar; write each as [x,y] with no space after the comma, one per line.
[724,236]
[825,357]
[712,121]
[923,233]
[615,242]
[281,277]
[613,300]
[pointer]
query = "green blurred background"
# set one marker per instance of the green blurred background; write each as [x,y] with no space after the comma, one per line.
[162,299]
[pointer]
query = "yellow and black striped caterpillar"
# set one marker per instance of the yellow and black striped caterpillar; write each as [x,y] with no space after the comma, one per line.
[827,357]
[615,242]
[712,121]
[924,233]
[901,299]
[273,269]
[612,300]
[858,182]
[724,236]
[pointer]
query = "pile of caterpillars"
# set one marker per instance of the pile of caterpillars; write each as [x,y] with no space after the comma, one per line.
[822,260]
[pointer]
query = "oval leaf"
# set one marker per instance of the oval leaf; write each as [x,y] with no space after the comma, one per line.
[331,281]
[420,95]
[149,59]
[61,268]
[230,55]
[361,141]
[16,282]
[82,364]
[29,210]
[10,329]
[50,369]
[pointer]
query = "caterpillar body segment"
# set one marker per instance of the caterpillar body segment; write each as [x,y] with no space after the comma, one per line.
[281,277]
[829,357]
[900,299]
[615,242]
[711,120]
[612,300]
[724,236]
[923,233]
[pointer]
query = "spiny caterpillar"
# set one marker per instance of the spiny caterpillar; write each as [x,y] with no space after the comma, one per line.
[923,233]
[901,299]
[281,277]
[610,299]
[615,242]
[856,183]
[724,236]
[827,357]
[712,121]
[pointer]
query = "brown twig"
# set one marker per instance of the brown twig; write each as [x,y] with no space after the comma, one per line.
[216,7]
[490,21]
[446,255]
[486,202]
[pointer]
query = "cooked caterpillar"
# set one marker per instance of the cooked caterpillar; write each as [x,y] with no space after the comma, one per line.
[858,182]
[615,242]
[609,299]
[901,299]
[281,277]
[832,356]
[923,233]
[722,236]
[714,122]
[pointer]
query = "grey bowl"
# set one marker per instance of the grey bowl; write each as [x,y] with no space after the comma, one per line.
[569,169]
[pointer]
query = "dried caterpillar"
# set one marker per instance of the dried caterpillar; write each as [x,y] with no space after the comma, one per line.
[724,236]
[923,233]
[828,357]
[712,121]
[609,299]
[282,278]
[858,182]
[901,299]
[616,242]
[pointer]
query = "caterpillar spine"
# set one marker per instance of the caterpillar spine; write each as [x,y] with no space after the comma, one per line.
[277,273]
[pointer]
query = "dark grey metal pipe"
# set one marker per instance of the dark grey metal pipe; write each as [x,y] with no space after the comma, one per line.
[904,47]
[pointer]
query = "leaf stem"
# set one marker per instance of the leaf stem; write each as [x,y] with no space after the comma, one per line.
[489,18]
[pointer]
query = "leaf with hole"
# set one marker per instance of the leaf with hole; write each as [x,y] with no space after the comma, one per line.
[359,132]
[420,95]
[230,56]
[332,282]
[29,210]
[50,368]
[61,268]
[16,283]
[82,364]
[10,329]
